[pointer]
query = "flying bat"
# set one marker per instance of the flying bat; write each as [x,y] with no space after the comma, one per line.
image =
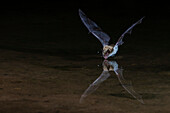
[108,49]
[109,66]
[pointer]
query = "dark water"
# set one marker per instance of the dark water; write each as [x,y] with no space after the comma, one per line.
[49,63]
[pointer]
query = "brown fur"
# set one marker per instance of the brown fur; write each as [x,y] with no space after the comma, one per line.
[107,48]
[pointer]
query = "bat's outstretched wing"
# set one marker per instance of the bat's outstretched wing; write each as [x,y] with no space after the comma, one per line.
[127,85]
[94,29]
[104,75]
[129,30]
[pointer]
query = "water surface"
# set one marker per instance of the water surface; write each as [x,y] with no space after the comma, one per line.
[43,83]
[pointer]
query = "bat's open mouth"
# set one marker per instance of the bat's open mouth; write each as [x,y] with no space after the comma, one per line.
[106,54]
[107,50]
[105,57]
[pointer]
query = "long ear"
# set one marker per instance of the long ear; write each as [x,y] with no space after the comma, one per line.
[94,29]
[128,31]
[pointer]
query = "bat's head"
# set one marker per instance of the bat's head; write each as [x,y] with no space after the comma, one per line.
[107,50]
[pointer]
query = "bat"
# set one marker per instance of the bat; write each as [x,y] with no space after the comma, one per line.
[109,66]
[108,50]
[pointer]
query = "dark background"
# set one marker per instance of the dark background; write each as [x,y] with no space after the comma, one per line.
[54,27]
[48,59]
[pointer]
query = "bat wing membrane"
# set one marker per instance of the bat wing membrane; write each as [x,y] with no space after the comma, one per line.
[128,31]
[94,29]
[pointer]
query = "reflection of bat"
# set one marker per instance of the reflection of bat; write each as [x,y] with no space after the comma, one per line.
[111,66]
[104,75]
[127,86]
[108,50]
